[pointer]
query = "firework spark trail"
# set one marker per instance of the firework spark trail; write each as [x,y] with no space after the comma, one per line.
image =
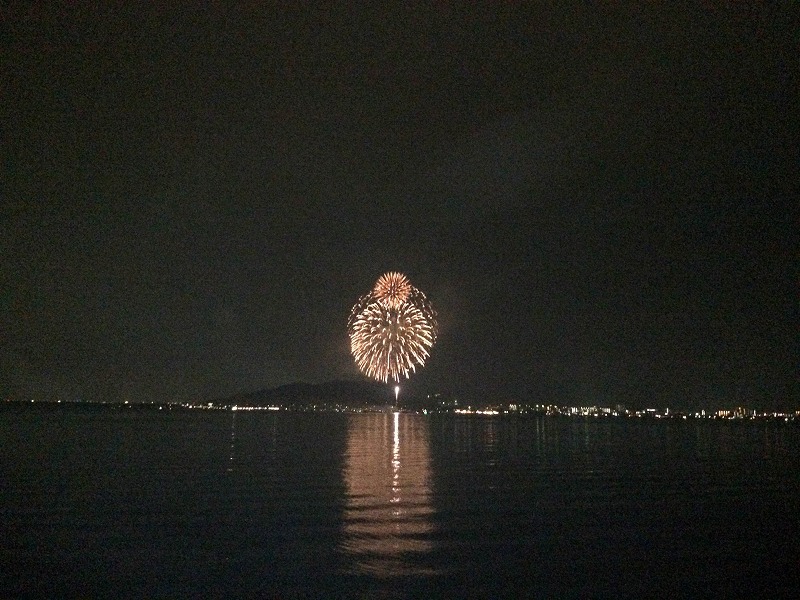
[392,329]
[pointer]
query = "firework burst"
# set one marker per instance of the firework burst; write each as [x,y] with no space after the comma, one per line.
[392,329]
[392,289]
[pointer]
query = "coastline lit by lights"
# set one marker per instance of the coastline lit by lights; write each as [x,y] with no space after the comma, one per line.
[739,414]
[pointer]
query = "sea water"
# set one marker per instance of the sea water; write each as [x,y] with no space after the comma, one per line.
[231,504]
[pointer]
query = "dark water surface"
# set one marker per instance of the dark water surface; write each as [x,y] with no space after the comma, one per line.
[149,504]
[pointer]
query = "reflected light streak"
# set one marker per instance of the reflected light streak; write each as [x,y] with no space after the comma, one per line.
[388,526]
[232,457]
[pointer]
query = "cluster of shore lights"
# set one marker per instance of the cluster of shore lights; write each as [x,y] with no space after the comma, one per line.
[469,411]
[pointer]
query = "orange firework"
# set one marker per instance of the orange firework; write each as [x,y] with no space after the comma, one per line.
[392,289]
[392,329]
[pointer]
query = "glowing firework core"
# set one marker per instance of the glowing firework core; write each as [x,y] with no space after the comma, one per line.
[392,289]
[392,329]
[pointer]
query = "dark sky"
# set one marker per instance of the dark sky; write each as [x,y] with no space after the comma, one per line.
[601,202]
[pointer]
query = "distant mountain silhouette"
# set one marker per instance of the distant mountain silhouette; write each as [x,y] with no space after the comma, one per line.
[350,393]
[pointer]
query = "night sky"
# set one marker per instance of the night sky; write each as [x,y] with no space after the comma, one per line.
[600,201]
